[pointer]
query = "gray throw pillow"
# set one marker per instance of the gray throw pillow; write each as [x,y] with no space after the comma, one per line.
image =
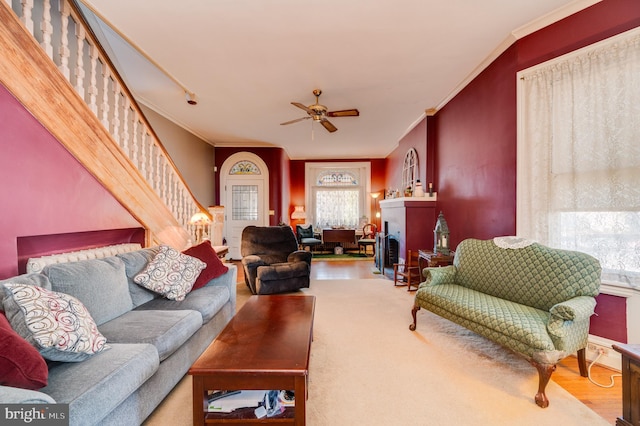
[134,263]
[100,284]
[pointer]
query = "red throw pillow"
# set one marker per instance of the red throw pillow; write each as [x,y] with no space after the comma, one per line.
[21,365]
[207,254]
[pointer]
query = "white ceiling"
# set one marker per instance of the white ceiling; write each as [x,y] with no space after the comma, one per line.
[247,60]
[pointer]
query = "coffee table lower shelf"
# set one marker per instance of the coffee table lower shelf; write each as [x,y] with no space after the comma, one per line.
[247,416]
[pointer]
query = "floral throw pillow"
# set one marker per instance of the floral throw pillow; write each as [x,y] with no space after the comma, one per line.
[56,324]
[170,273]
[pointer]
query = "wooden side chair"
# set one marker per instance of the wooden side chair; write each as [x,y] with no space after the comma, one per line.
[408,273]
[369,232]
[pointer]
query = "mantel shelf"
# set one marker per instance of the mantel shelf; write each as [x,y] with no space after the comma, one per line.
[407,201]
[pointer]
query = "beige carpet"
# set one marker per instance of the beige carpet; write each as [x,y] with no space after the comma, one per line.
[368,368]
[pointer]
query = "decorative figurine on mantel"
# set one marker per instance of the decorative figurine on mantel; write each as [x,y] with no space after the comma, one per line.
[441,236]
[418,191]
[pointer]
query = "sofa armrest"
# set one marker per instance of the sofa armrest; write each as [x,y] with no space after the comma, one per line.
[251,264]
[300,255]
[439,275]
[570,315]
[11,395]
[575,309]
[229,280]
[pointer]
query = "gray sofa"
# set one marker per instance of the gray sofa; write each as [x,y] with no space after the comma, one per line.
[153,340]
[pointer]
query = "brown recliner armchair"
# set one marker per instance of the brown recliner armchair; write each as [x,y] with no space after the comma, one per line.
[271,260]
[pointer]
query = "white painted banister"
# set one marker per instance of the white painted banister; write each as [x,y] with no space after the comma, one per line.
[61,33]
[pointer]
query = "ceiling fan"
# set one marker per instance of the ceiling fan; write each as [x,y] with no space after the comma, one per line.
[319,113]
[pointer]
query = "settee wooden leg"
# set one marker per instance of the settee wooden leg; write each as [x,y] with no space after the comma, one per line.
[415,309]
[582,362]
[544,374]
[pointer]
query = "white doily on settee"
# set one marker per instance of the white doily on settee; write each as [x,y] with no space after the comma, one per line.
[512,242]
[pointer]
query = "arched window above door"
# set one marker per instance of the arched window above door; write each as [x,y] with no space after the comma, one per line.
[244,168]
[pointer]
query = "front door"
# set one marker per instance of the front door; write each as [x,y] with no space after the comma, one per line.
[244,188]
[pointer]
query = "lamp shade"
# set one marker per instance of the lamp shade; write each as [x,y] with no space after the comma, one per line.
[199,218]
[298,213]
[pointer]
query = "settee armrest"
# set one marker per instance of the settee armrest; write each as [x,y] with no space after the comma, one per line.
[576,309]
[300,255]
[439,275]
[11,395]
[565,315]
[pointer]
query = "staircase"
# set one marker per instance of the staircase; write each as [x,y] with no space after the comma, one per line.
[56,68]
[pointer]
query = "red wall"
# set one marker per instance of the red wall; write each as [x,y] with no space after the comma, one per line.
[278,163]
[297,170]
[473,137]
[417,139]
[44,189]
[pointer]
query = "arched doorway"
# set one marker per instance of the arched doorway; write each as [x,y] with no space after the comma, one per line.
[244,191]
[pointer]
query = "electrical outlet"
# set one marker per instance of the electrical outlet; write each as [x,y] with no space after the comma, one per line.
[598,349]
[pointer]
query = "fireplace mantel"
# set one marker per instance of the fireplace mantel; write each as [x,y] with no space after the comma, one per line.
[411,221]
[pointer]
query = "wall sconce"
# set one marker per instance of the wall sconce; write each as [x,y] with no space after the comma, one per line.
[298,213]
[441,236]
[200,220]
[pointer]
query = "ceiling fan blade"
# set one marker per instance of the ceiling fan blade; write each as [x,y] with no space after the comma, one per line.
[344,113]
[304,107]
[294,121]
[327,125]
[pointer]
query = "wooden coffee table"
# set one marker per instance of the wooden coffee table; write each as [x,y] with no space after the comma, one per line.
[265,346]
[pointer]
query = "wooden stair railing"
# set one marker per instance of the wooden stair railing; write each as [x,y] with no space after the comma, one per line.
[75,92]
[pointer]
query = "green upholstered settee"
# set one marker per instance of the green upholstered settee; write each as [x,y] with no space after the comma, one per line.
[534,300]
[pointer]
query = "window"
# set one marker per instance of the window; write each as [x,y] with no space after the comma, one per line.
[245,202]
[337,194]
[410,171]
[579,155]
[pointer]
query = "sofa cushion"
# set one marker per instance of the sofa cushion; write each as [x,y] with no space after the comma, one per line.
[57,324]
[525,324]
[166,330]
[100,284]
[207,300]
[97,386]
[13,395]
[134,263]
[208,255]
[34,278]
[170,273]
[21,365]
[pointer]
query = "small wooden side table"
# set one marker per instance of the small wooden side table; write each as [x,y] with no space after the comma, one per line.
[433,260]
[630,385]
[221,251]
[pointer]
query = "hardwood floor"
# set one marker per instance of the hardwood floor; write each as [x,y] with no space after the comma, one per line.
[607,402]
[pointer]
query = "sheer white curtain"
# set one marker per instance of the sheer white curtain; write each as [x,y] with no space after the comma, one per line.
[337,193]
[337,207]
[579,154]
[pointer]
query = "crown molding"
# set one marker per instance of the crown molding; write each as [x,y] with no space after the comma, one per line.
[518,33]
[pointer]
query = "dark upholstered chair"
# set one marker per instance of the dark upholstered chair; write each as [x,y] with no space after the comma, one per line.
[271,260]
[306,237]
